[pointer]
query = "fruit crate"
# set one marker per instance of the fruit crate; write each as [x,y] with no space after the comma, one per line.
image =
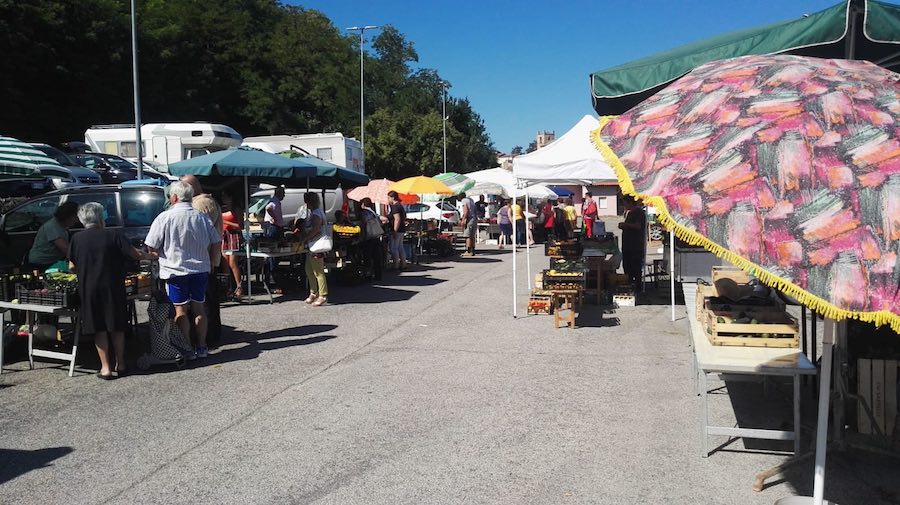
[564,280]
[563,249]
[32,294]
[764,327]
[540,302]
[8,285]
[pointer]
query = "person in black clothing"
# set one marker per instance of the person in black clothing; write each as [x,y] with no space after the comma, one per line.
[633,241]
[99,257]
[371,246]
[396,229]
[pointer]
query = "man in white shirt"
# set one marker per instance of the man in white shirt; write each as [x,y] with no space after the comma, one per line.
[187,244]
[273,227]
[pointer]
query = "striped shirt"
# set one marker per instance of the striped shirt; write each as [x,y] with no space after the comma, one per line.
[182,237]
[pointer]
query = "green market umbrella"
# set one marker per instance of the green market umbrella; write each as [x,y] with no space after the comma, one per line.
[20,159]
[854,29]
[326,170]
[458,183]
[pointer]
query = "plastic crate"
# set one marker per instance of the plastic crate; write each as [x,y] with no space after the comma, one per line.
[45,296]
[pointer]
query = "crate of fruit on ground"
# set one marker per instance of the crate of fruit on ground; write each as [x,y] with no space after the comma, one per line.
[751,328]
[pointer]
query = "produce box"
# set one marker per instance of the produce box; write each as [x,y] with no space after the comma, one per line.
[8,285]
[764,327]
[46,296]
[877,385]
[539,302]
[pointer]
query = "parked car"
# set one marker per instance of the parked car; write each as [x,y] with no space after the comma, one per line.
[437,211]
[131,208]
[113,169]
[70,173]
[24,186]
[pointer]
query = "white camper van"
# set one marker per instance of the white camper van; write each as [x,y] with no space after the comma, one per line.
[164,143]
[334,147]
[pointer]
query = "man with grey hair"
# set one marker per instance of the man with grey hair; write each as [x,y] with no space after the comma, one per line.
[188,245]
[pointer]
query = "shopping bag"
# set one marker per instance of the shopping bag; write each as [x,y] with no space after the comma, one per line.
[323,243]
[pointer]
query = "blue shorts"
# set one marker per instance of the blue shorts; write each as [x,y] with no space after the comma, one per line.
[187,288]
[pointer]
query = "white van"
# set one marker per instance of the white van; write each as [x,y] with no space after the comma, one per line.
[332,147]
[293,204]
[163,143]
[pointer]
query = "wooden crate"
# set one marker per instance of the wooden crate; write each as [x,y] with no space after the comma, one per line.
[771,322]
[877,385]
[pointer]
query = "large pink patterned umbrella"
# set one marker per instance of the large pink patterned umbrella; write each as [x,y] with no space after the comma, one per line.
[786,166]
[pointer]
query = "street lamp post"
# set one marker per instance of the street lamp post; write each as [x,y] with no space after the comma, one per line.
[444,109]
[362,112]
[137,98]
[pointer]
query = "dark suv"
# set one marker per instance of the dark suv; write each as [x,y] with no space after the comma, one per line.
[132,208]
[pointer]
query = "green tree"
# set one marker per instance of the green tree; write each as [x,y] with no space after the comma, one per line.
[517,151]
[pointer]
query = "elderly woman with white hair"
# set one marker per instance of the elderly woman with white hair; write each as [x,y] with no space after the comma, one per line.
[99,257]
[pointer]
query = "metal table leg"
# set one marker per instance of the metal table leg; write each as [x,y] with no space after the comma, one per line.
[704,414]
[796,414]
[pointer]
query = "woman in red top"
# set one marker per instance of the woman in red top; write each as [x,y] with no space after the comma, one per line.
[589,214]
[549,217]
[233,226]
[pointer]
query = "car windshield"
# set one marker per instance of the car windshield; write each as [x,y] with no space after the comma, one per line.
[119,163]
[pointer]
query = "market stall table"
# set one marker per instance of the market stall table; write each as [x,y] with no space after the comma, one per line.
[263,256]
[759,361]
[30,310]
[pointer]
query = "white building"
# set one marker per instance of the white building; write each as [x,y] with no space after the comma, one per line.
[334,147]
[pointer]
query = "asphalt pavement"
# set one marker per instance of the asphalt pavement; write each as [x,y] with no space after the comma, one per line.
[421,389]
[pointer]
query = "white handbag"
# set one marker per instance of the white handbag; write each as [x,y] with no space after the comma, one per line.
[323,243]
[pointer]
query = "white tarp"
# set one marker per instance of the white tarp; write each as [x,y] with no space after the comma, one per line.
[571,157]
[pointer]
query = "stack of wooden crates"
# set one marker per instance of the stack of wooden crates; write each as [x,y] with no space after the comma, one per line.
[877,385]
[733,324]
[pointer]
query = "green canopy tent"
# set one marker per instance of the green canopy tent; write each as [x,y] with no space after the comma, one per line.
[18,159]
[854,29]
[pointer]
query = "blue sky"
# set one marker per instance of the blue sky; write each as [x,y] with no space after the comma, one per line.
[524,64]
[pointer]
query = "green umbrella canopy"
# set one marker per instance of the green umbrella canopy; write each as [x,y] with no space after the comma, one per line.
[244,163]
[872,26]
[346,178]
[20,159]
[459,183]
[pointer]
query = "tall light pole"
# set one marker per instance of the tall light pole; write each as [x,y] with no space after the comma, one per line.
[362,111]
[137,98]
[444,109]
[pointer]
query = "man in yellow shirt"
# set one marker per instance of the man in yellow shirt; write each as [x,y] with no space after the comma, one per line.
[519,223]
[571,217]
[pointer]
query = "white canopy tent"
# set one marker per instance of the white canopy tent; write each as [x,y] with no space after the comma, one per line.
[571,158]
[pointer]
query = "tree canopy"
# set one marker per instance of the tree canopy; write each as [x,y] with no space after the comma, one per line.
[256,65]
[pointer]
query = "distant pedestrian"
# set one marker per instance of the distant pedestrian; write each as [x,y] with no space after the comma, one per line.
[469,221]
[373,232]
[187,245]
[518,222]
[315,262]
[273,229]
[548,217]
[571,216]
[482,206]
[505,223]
[589,214]
[633,241]
[397,228]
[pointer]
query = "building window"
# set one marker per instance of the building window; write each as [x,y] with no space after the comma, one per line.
[603,203]
[324,153]
[128,149]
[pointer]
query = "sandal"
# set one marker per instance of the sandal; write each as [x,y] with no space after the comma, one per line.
[320,301]
[238,293]
[107,377]
[311,298]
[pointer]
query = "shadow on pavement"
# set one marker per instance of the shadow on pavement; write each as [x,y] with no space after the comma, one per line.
[17,462]
[408,279]
[370,294]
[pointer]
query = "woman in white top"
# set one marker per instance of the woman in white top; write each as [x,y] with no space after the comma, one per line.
[315,263]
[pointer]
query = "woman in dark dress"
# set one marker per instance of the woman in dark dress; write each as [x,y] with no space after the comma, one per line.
[99,258]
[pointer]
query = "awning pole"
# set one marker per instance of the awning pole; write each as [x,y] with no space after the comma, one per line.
[515,308]
[671,269]
[247,238]
[527,248]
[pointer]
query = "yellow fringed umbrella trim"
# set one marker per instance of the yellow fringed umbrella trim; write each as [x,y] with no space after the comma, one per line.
[815,303]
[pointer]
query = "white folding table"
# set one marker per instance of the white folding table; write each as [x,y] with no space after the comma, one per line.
[30,310]
[261,256]
[761,361]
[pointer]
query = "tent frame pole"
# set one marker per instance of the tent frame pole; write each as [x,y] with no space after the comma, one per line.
[247,238]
